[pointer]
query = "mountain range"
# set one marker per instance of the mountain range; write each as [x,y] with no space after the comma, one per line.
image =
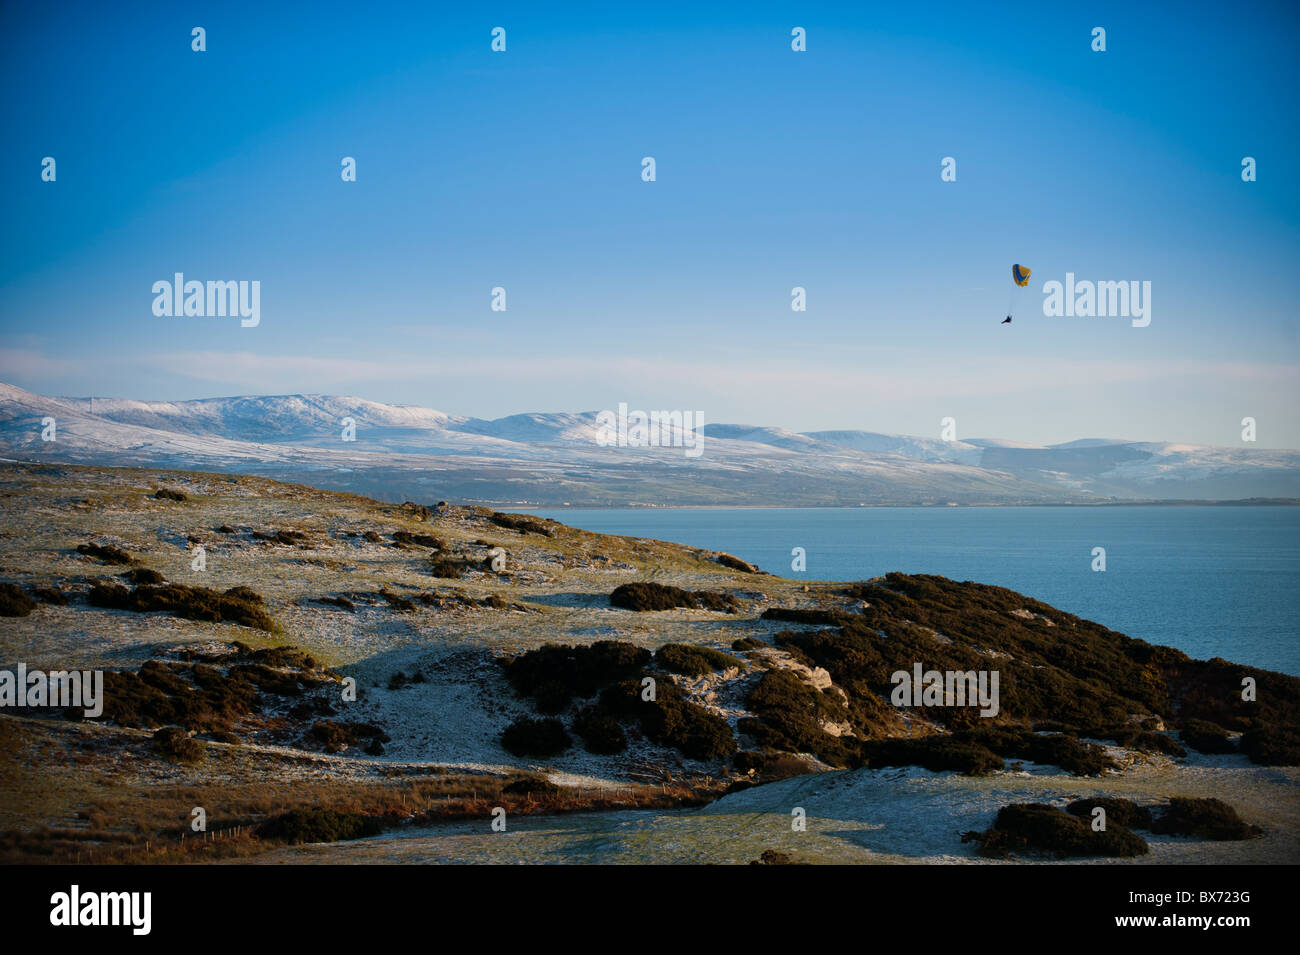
[405,452]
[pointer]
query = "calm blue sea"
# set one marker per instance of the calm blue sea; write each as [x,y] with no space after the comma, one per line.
[1212,581]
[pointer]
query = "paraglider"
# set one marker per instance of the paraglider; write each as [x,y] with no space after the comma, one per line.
[1019,275]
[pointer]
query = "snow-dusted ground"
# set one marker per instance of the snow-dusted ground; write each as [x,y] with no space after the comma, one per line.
[906,815]
[454,717]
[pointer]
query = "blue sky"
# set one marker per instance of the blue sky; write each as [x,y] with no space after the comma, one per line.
[775,169]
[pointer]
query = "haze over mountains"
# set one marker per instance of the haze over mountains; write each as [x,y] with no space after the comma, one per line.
[407,452]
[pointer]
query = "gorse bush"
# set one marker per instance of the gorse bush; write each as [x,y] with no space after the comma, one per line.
[1125,812]
[174,744]
[526,523]
[646,596]
[735,563]
[237,605]
[167,494]
[788,715]
[286,537]
[50,595]
[105,552]
[450,568]
[318,825]
[1272,744]
[671,719]
[13,602]
[935,753]
[336,736]
[143,575]
[691,660]
[556,674]
[1057,749]
[600,731]
[536,738]
[1206,737]
[1206,818]
[1041,828]
[200,697]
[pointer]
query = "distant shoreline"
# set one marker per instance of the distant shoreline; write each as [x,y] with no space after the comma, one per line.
[1248,502]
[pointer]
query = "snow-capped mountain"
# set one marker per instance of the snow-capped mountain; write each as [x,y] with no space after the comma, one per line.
[406,451]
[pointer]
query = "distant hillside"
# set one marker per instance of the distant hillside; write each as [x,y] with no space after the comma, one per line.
[405,451]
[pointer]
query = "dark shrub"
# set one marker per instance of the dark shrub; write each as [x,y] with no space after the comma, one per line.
[748,759]
[1057,749]
[694,661]
[245,594]
[735,563]
[672,720]
[552,697]
[287,538]
[338,736]
[172,743]
[566,672]
[495,602]
[789,714]
[1040,828]
[193,603]
[279,656]
[419,512]
[50,595]
[15,603]
[645,595]
[1272,744]
[372,536]
[267,679]
[1206,818]
[225,529]
[935,753]
[536,738]
[649,596]
[530,786]
[448,567]
[428,540]
[341,602]
[1206,737]
[318,825]
[1146,741]
[747,643]
[405,538]
[600,731]
[524,522]
[105,552]
[772,857]
[143,575]
[1125,812]
[166,494]
[397,601]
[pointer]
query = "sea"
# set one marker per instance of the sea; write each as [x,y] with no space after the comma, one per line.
[1211,580]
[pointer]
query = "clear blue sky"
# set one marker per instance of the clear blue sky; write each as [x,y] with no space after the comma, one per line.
[775,169]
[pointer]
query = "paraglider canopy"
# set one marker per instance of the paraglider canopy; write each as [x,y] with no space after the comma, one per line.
[1020,275]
